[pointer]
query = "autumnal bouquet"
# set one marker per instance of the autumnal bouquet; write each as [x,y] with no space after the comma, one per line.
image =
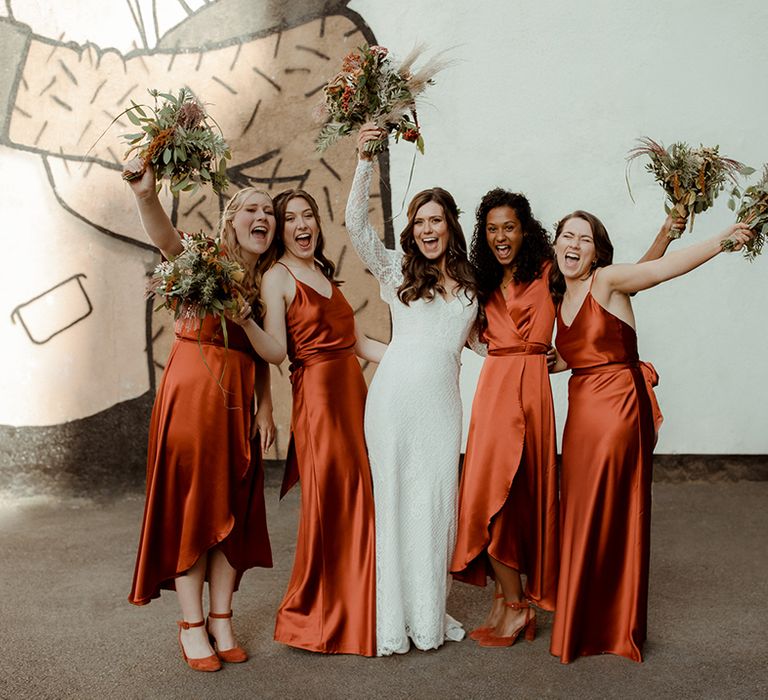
[178,141]
[370,88]
[691,177]
[753,210]
[200,280]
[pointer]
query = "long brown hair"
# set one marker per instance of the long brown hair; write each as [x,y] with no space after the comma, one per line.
[603,250]
[253,274]
[281,204]
[422,278]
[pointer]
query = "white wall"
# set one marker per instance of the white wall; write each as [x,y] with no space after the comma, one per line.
[546,98]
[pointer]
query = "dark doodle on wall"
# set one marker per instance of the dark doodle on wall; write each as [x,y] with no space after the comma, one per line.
[62,306]
[261,67]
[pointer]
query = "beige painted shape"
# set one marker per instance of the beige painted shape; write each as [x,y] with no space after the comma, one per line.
[99,361]
[262,93]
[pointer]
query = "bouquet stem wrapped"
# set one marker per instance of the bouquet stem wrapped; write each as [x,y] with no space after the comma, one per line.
[178,141]
[691,177]
[370,88]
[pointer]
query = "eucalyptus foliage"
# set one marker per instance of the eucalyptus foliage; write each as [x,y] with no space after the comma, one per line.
[179,141]
[691,177]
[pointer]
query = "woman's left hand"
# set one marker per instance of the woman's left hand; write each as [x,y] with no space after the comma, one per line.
[242,315]
[676,224]
[263,425]
[551,357]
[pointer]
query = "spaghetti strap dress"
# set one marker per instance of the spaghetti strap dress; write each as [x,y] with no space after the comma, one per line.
[330,603]
[508,502]
[205,479]
[605,496]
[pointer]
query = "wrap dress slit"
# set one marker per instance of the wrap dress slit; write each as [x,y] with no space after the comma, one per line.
[205,479]
[508,505]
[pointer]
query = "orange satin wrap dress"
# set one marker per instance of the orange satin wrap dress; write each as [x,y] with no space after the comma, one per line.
[330,604]
[508,505]
[205,479]
[605,496]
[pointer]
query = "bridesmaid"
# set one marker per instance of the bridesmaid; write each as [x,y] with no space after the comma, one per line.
[508,507]
[609,436]
[204,517]
[508,494]
[330,604]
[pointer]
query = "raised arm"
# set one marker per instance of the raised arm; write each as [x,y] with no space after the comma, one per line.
[640,276]
[663,238]
[153,217]
[383,263]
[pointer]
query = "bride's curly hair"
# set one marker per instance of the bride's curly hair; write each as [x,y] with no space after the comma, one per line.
[422,278]
[253,274]
[281,204]
[535,250]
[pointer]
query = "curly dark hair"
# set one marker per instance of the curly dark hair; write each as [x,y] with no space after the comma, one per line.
[422,278]
[535,250]
[603,250]
[281,204]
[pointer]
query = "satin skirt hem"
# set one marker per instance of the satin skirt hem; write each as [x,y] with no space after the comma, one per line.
[636,656]
[166,583]
[323,648]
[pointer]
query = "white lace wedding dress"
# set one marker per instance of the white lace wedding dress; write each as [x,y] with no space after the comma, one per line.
[413,432]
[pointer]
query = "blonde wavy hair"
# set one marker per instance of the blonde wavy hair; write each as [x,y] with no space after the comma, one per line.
[253,274]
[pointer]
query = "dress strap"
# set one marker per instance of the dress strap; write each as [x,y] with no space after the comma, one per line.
[592,281]
[278,262]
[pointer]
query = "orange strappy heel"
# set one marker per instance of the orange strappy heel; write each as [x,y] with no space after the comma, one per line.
[235,655]
[529,626]
[483,631]
[207,663]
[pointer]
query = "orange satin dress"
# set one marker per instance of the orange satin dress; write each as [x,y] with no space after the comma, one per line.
[508,505]
[605,496]
[205,479]
[330,604]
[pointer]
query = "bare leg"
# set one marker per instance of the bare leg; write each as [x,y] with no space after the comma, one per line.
[496,613]
[221,576]
[189,590]
[512,588]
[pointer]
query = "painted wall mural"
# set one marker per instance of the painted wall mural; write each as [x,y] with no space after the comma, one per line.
[83,350]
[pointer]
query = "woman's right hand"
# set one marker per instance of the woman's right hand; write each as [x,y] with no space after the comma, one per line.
[140,177]
[738,234]
[368,132]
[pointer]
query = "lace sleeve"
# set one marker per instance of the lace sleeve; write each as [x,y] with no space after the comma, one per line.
[474,342]
[384,264]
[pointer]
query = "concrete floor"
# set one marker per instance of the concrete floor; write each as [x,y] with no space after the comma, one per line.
[68,631]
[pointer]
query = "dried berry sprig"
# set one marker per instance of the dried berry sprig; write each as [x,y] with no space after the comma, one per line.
[370,88]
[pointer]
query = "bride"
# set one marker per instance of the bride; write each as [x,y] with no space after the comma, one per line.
[413,411]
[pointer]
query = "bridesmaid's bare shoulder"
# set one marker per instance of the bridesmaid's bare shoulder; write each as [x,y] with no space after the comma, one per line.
[278,279]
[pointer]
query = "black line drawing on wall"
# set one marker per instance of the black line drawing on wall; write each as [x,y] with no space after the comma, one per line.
[55,310]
